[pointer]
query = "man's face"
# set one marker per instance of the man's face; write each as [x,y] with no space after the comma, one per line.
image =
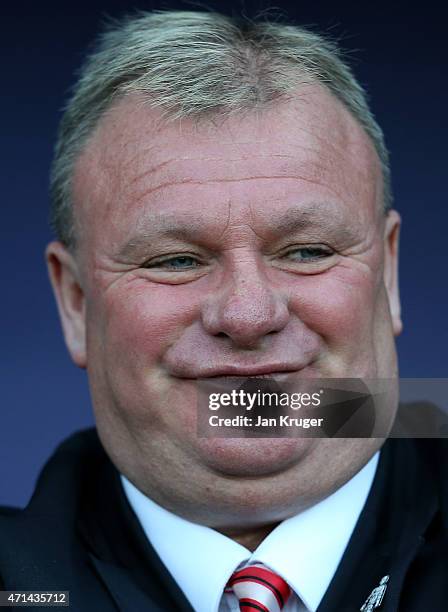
[255,245]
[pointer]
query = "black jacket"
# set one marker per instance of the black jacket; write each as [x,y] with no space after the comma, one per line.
[79,534]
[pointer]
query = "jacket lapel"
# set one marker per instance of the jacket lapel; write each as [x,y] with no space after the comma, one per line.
[122,556]
[389,533]
[122,588]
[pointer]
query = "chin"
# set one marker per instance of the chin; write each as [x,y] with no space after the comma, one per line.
[252,457]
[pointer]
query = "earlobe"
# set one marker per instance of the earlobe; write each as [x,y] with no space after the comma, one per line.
[391,248]
[65,280]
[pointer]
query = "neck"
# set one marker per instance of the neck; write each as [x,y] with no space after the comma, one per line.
[249,538]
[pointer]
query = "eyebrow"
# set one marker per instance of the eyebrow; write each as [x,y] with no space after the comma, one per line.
[318,217]
[314,217]
[156,226]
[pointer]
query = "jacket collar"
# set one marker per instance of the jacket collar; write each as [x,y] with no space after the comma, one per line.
[391,529]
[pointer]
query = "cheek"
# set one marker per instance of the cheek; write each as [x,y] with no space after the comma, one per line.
[131,328]
[141,320]
[338,305]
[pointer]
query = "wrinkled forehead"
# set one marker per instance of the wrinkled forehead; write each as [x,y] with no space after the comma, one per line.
[307,147]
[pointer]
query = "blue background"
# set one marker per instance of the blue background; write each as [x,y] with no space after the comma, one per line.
[399,54]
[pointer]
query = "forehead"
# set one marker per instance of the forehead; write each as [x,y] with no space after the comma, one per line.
[137,164]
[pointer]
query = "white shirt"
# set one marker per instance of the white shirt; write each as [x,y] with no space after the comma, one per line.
[304,550]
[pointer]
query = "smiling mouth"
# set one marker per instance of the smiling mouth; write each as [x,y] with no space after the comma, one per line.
[267,376]
[260,372]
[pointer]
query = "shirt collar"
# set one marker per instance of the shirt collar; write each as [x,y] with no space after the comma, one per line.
[305,549]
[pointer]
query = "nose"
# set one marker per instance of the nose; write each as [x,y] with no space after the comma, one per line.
[246,308]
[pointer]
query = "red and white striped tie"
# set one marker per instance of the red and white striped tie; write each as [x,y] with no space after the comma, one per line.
[259,589]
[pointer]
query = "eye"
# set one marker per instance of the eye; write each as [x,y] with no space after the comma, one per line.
[308,254]
[175,264]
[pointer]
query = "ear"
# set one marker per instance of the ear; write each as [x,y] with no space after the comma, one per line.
[391,243]
[65,280]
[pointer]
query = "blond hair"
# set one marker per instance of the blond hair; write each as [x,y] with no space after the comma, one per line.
[192,64]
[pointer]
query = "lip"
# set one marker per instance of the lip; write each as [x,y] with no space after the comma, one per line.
[267,370]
